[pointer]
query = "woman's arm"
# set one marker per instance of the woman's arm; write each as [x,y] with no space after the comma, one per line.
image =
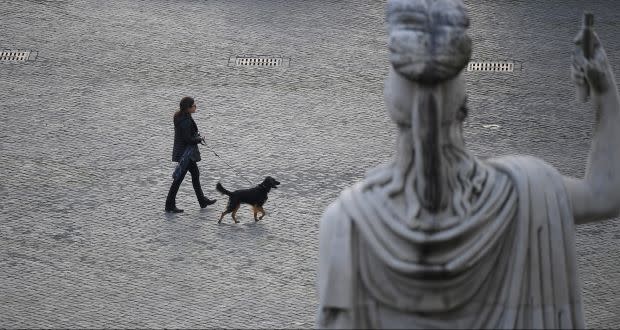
[188,133]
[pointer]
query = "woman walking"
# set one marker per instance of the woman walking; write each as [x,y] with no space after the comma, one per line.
[185,151]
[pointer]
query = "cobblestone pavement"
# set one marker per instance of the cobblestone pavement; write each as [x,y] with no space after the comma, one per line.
[86,138]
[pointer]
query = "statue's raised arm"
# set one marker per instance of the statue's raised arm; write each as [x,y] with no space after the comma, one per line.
[597,196]
[438,238]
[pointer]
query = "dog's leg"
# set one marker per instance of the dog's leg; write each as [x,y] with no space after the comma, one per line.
[229,209]
[262,211]
[234,213]
[255,209]
[222,216]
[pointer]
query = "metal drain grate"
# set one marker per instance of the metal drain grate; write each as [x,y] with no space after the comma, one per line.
[496,66]
[259,61]
[18,55]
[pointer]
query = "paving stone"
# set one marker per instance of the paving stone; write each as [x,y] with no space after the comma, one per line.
[86,137]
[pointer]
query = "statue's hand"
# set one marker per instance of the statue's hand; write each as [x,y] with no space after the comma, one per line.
[594,71]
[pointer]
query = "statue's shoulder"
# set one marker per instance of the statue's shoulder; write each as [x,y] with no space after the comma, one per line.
[335,218]
[332,214]
[525,170]
[523,162]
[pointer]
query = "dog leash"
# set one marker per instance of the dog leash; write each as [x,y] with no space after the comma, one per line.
[232,168]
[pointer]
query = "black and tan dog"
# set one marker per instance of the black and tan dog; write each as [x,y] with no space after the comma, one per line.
[256,197]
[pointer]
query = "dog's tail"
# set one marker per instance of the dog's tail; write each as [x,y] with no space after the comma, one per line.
[221,189]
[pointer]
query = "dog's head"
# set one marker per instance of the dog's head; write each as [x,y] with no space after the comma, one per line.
[270,182]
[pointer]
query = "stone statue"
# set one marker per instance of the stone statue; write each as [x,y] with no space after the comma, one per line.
[440,239]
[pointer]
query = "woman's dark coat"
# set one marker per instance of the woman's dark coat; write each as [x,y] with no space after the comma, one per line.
[185,134]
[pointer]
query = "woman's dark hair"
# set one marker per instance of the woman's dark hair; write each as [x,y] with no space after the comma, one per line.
[184,105]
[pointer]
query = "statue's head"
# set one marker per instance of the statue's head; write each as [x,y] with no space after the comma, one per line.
[429,48]
[428,42]
[425,91]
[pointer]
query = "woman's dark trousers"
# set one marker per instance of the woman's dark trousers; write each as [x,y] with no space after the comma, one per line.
[172,194]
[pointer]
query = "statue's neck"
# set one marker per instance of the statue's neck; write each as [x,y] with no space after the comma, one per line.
[434,167]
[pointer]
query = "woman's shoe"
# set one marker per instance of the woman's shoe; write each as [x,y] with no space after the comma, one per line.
[206,202]
[173,210]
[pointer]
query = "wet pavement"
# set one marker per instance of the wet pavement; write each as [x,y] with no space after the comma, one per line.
[86,138]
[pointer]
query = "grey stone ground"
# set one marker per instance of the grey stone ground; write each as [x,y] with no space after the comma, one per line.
[86,135]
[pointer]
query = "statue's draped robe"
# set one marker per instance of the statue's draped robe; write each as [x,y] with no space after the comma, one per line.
[510,263]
